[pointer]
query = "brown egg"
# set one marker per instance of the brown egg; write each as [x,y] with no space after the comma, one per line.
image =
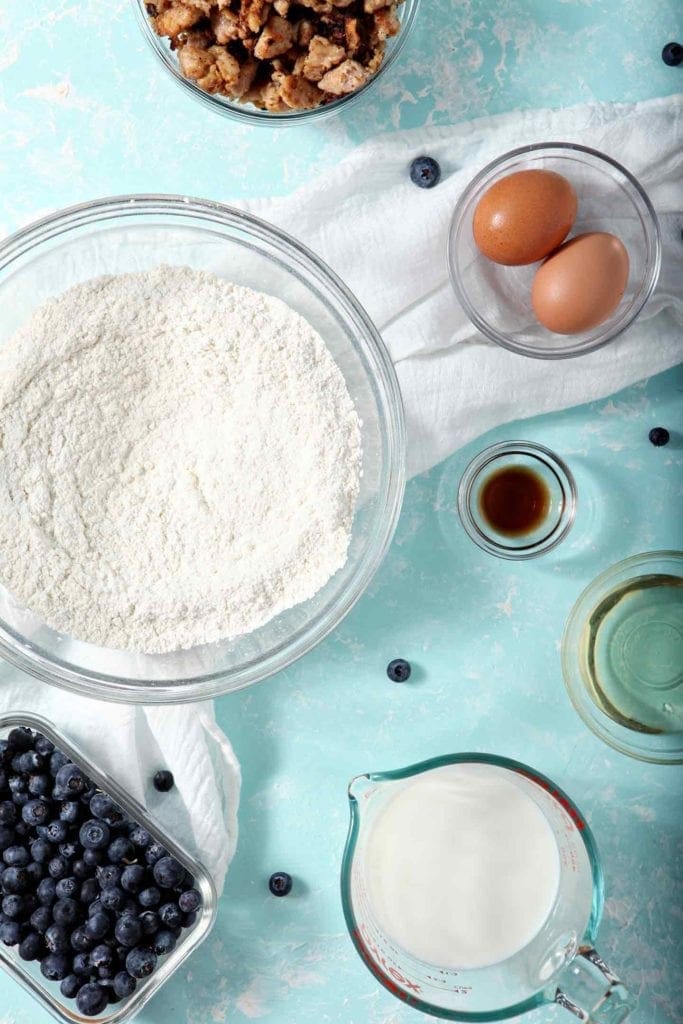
[524,216]
[581,284]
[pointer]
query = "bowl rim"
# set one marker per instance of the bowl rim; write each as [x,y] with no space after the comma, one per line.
[248,114]
[13,647]
[647,286]
[600,724]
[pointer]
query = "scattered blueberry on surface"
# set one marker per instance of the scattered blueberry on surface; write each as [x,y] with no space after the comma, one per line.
[399,670]
[163,780]
[425,172]
[280,883]
[84,891]
[659,436]
[672,54]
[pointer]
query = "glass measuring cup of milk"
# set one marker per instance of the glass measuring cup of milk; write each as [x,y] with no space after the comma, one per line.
[472,890]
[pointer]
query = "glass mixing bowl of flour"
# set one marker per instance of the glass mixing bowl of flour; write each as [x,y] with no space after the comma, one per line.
[137,233]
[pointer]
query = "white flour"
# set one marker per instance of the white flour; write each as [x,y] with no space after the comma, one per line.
[179,461]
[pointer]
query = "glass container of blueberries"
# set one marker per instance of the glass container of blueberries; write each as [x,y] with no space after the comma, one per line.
[98,905]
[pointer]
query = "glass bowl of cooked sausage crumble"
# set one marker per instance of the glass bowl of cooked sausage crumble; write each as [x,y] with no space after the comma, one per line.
[276,61]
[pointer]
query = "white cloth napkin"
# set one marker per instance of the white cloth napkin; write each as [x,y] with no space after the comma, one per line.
[131,743]
[387,240]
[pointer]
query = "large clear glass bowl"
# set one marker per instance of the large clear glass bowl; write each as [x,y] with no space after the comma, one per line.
[247,112]
[131,233]
[497,299]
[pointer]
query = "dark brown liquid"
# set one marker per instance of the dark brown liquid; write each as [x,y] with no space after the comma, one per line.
[514,500]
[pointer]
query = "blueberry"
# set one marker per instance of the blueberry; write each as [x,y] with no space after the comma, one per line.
[56,831]
[280,883]
[70,986]
[67,888]
[35,812]
[54,966]
[43,745]
[65,912]
[41,918]
[108,875]
[140,962]
[10,933]
[20,739]
[94,835]
[659,436]
[149,921]
[112,898]
[163,780]
[35,873]
[57,761]
[102,806]
[69,849]
[46,891]
[81,870]
[155,852]
[14,880]
[58,867]
[425,172]
[81,965]
[128,930]
[8,813]
[171,915]
[399,670]
[102,956]
[70,779]
[124,985]
[80,940]
[18,788]
[57,939]
[22,830]
[672,54]
[16,856]
[89,890]
[168,872]
[190,901]
[29,762]
[97,925]
[69,812]
[121,850]
[93,857]
[91,999]
[38,785]
[13,906]
[41,851]
[133,877]
[7,836]
[31,947]
[163,942]
[150,897]
[140,837]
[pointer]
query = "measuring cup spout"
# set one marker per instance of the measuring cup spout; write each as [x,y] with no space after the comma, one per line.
[591,991]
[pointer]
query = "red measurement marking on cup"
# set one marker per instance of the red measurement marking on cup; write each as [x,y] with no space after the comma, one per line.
[561,799]
[390,975]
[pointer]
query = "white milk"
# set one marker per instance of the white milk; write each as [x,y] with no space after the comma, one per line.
[462,867]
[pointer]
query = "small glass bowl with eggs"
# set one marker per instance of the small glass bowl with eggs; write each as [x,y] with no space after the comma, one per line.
[553,250]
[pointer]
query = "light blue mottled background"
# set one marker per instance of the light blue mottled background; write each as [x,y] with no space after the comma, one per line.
[84,112]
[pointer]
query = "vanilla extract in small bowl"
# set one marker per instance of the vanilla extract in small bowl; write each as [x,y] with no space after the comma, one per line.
[517,499]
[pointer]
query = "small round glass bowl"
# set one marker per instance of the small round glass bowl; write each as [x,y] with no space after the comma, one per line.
[497,299]
[247,112]
[630,620]
[544,465]
[133,233]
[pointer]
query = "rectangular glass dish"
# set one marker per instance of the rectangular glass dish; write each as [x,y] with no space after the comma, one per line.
[28,973]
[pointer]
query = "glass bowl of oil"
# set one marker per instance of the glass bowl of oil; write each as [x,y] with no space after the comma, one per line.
[622,656]
[517,499]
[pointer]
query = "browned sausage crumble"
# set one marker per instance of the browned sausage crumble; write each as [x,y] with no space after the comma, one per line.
[277,54]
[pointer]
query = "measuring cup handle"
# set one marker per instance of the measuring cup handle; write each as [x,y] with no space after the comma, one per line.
[591,991]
